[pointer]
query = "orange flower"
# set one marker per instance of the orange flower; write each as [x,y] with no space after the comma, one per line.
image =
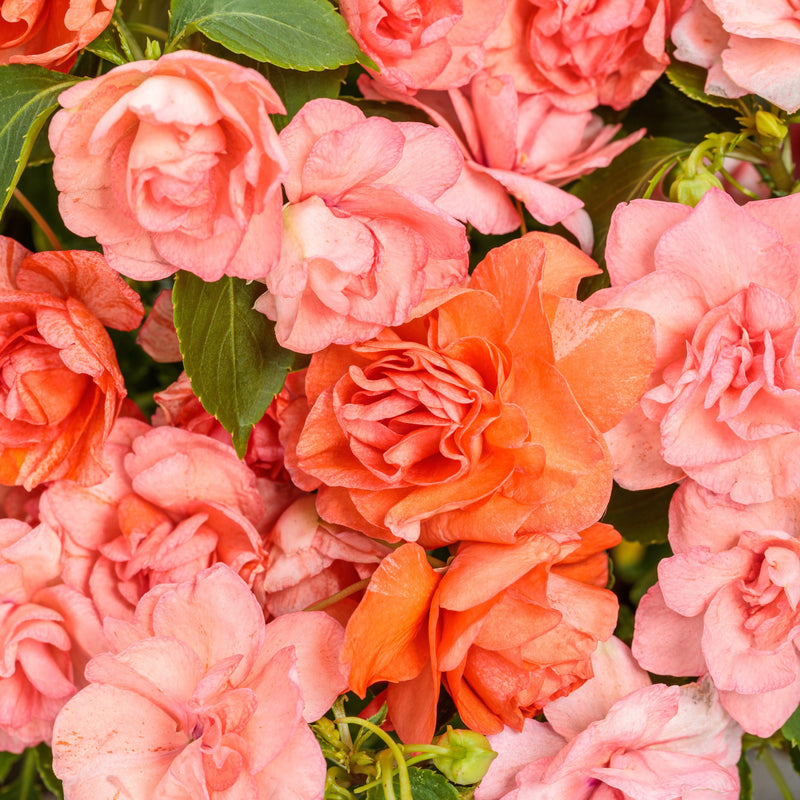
[510,627]
[61,388]
[481,416]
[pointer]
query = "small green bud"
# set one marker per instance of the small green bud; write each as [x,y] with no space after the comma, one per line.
[152,50]
[689,189]
[769,125]
[469,757]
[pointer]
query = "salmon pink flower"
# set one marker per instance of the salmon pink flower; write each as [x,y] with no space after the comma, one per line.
[188,705]
[747,48]
[61,387]
[363,237]
[538,148]
[727,604]
[507,627]
[48,631]
[620,737]
[423,45]
[479,417]
[175,503]
[721,282]
[50,33]
[173,164]
[581,55]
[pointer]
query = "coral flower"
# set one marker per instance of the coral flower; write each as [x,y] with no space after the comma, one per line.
[61,387]
[507,627]
[480,416]
[189,705]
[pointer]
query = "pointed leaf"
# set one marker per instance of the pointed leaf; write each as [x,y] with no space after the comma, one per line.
[297,88]
[640,516]
[44,766]
[425,785]
[791,728]
[105,46]
[301,34]
[745,778]
[28,96]
[229,351]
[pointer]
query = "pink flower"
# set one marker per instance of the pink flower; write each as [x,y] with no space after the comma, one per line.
[48,631]
[581,55]
[157,336]
[189,705]
[362,234]
[538,148]
[726,604]
[50,33]
[620,737]
[309,560]
[418,44]
[747,48]
[723,404]
[61,385]
[173,164]
[176,502]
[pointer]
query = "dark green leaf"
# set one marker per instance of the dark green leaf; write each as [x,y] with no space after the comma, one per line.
[745,778]
[7,761]
[44,766]
[626,179]
[22,784]
[389,109]
[301,34]
[425,785]
[229,351]
[640,516]
[794,757]
[791,728]
[106,46]
[297,88]
[28,96]
[691,80]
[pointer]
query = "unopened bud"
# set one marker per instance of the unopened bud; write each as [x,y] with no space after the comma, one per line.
[689,189]
[469,757]
[769,125]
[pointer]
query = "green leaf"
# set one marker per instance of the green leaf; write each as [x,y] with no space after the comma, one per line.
[105,46]
[794,757]
[22,784]
[297,88]
[301,34]
[791,728]
[691,80]
[626,179]
[640,516]
[28,96]
[7,762]
[425,785]
[229,351]
[745,778]
[44,766]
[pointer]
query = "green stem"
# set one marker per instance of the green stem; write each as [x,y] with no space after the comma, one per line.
[335,598]
[148,30]
[434,749]
[745,191]
[394,750]
[339,715]
[523,228]
[27,775]
[38,219]
[769,762]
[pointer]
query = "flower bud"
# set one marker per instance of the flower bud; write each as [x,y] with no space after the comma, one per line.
[769,125]
[469,757]
[689,189]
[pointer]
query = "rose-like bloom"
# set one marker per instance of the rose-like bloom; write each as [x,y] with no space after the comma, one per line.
[423,45]
[480,417]
[362,234]
[48,631]
[157,336]
[507,627]
[61,387]
[176,502]
[538,148]
[727,604]
[721,281]
[620,737]
[173,164]
[747,48]
[200,699]
[582,55]
[50,33]
[309,560]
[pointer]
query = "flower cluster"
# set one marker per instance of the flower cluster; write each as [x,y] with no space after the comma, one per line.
[356,468]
